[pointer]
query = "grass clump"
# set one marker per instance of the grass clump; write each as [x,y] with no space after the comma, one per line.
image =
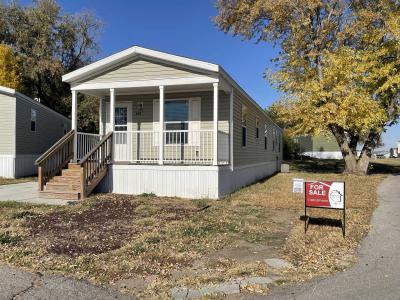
[6,238]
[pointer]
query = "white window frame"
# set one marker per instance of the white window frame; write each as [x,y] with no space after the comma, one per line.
[192,141]
[265,137]
[33,119]
[244,108]
[257,128]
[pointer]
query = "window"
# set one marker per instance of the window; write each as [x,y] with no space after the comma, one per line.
[121,119]
[279,142]
[121,124]
[273,139]
[244,126]
[257,127]
[265,137]
[176,119]
[33,119]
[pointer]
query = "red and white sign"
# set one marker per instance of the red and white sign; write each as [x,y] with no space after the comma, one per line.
[326,194]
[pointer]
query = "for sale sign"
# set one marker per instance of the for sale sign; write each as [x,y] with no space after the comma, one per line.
[326,194]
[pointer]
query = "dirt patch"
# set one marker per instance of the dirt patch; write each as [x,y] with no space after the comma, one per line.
[104,226]
[244,251]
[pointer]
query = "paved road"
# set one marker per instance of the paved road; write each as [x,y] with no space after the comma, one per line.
[377,273]
[27,192]
[18,284]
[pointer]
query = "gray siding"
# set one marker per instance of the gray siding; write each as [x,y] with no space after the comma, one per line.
[254,152]
[142,70]
[49,127]
[7,125]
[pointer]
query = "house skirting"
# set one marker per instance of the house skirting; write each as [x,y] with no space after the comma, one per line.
[324,154]
[193,182]
[18,166]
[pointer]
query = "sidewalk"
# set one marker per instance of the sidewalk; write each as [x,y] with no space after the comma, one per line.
[27,192]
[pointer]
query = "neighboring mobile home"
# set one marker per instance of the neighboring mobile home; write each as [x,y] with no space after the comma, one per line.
[169,125]
[27,130]
[321,146]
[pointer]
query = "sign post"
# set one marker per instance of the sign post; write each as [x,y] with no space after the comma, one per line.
[326,195]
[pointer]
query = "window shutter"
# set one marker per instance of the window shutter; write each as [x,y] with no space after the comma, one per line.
[156,122]
[194,121]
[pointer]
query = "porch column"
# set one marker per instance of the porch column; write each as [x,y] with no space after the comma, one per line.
[74,121]
[101,129]
[112,109]
[215,115]
[231,129]
[161,127]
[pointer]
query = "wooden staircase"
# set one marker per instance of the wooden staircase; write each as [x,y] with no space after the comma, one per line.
[58,178]
[66,186]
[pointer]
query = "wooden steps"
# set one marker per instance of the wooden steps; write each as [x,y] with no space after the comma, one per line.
[66,186]
[57,178]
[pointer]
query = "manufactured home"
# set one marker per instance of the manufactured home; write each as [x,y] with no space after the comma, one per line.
[27,130]
[320,146]
[169,125]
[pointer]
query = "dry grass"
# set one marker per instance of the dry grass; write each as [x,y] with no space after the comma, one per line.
[109,238]
[171,242]
[4,181]
[322,249]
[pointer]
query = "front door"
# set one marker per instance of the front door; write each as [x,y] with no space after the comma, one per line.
[122,131]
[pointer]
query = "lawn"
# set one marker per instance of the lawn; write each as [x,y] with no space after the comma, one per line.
[4,181]
[147,245]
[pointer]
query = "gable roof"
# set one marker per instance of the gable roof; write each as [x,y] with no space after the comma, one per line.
[137,51]
[13,93]
[134,52]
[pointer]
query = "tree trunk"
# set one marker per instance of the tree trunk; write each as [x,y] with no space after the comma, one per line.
[353,163]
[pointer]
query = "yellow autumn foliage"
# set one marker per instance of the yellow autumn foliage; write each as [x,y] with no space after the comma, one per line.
[9,75]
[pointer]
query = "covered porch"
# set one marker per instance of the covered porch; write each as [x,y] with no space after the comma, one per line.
[159,124]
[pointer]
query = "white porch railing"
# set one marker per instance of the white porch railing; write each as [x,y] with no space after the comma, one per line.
[136,146]
[86,142]
[188,147]
[180,147]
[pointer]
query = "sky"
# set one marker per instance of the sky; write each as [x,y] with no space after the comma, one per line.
[185,27]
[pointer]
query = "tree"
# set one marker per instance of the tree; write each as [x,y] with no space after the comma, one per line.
[49,44]
[9,74]
[338,66]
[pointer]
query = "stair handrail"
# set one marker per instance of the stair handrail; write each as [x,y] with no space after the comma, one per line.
[55,158]
[94,164]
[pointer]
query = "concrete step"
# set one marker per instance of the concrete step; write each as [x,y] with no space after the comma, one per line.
[62,187]
[60,195]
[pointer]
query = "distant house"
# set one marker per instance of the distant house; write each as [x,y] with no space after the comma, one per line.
[27,130]
[169,125]
[321,146]
[395,152]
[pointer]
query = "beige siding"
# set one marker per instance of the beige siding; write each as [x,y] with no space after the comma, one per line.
[320,143]
[7,125]
[144,120]
[254,152]
[142,70]
[49,128]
